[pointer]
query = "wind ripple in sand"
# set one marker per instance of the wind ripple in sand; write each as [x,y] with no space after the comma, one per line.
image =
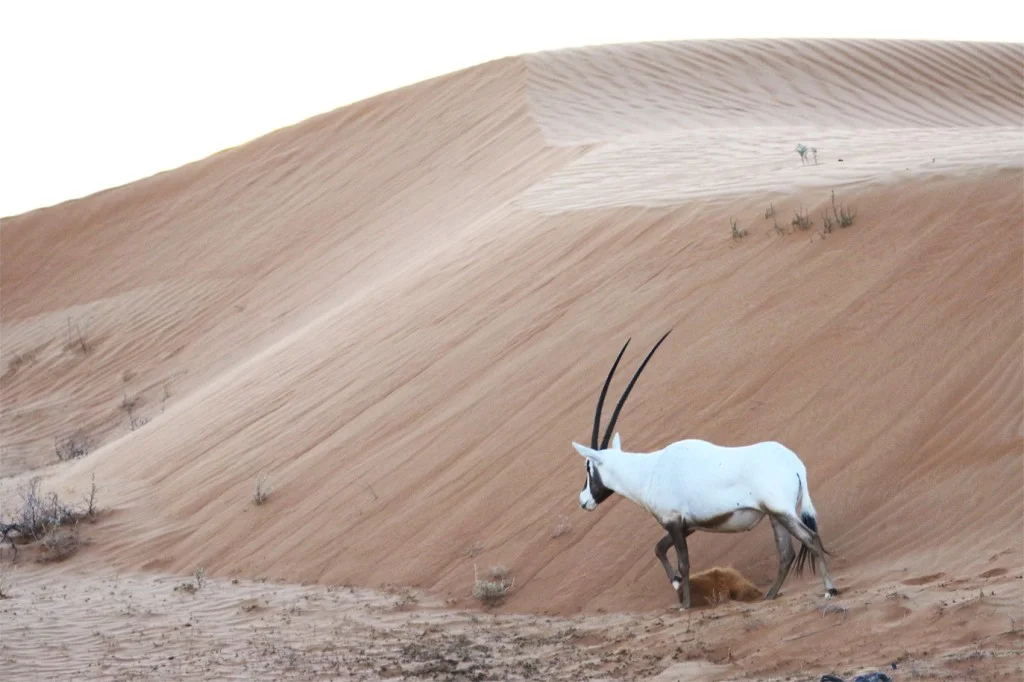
[596,94]
[140,627]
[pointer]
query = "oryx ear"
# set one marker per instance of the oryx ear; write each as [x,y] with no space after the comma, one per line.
[616,443]
[593,455]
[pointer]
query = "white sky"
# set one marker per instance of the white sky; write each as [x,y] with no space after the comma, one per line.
[99,93]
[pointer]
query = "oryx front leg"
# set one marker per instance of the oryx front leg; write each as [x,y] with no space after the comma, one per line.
[661,551]
[678,534]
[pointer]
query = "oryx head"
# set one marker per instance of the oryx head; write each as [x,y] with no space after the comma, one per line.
[594,490]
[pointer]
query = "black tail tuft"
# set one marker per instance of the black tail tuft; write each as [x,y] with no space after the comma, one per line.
[804,556]
[809,521]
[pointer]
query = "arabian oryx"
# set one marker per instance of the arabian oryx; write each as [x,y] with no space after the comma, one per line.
[695,485]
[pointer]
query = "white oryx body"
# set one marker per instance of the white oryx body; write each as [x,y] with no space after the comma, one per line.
[706,486]
[695,485]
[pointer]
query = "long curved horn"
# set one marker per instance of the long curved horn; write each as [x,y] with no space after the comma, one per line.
[622,400]
[604,391]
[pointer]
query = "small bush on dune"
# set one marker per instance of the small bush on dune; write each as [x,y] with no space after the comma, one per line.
[195,584]
[261,492]
[737,232]
[50,521]
[60,543]
[72,446]
[801,220]
[40,513]
[843,215]
[493,589]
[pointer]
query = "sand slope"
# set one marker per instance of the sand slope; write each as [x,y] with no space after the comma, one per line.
[401,313]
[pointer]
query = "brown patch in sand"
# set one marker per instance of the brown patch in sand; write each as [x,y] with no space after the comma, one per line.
[720,585]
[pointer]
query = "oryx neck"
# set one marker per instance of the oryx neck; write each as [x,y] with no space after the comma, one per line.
[626,473]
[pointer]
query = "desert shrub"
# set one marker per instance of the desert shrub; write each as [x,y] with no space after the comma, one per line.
[60,542]
[71,446]
[737,232]
[39,513]
[801,220]
[802,150]
[843,215]
[827,222]
[495,587]
[195,584]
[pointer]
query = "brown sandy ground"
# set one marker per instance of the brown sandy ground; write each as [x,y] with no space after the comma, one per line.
[67,624]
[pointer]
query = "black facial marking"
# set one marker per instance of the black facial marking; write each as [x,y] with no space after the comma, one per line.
[598,490]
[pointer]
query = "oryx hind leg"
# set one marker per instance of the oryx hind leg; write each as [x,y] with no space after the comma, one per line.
[812,549]
[784,543]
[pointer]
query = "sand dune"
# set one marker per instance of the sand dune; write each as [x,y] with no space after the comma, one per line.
[401,312]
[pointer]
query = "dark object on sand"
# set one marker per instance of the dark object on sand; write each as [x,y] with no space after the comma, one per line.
[870,677]
[5,534]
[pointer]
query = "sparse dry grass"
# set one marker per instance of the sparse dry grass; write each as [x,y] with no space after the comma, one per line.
[77,339]
[562,527]
[842,216]
[738,233]
[801,220]
[19,360]
[261,491]
[476,548]
[60,543]
[72,446]
[493,589]
[129,403]
[193,585]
